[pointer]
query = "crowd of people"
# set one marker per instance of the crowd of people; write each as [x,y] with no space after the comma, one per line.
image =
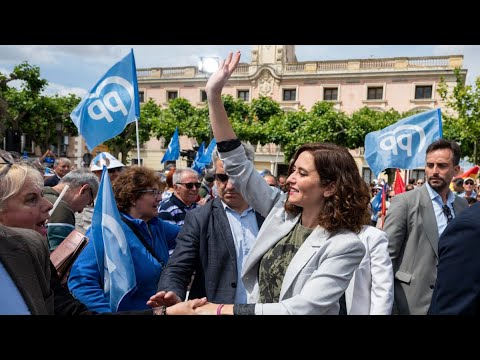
[236,241]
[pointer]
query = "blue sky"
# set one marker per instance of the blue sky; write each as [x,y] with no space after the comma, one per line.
[76,68]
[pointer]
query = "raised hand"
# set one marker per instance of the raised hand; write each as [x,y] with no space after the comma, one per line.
[219,78]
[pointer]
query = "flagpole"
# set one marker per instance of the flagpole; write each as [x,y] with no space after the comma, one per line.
[138,143]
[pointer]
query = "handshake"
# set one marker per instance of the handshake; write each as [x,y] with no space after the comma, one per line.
[168,303]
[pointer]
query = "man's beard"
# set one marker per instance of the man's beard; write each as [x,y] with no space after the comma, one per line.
[440,187]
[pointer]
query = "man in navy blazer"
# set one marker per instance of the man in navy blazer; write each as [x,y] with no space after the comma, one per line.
[457,290]
[207,247]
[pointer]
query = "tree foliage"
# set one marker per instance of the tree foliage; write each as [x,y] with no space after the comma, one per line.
[24,108]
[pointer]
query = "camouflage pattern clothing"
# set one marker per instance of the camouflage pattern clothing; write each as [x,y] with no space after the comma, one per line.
[275,262]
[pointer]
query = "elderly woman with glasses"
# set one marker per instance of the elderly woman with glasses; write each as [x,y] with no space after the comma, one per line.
[137,193]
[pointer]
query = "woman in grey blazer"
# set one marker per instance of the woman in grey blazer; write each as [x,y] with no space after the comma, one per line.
[307,248]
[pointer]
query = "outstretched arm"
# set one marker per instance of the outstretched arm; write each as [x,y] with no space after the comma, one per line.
[221,127]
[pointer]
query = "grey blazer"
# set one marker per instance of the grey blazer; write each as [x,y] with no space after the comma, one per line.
[412,233]
[321,269]
[24,254]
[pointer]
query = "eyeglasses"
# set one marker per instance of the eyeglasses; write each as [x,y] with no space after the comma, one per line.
[221,177]
[92,204]
[191,185]
[9,160]
[468,182]
[419,182]
[154,192]
[447,213]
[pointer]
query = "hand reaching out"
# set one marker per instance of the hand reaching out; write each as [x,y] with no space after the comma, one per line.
[219,78]
[163,298]
[186,308]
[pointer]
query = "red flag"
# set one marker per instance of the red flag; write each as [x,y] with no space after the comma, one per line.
[472,172]
[399,184]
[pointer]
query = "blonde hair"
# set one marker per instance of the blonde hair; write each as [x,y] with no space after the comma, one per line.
[13,181]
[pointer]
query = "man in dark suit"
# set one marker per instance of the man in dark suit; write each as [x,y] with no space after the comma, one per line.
[415,221]
[457,290]
[214,241]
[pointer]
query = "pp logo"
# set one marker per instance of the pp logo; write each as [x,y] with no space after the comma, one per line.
[111,102]
[393,141]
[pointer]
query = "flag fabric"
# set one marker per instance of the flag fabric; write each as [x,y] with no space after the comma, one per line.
[207,155]
[403,144]
[110,235]
[173,150]
[471,173]
[399,183]
[110,105]
[197,165]
[376,203]
[203,159]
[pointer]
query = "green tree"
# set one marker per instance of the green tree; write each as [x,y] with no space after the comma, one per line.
[127,139]
[463,124]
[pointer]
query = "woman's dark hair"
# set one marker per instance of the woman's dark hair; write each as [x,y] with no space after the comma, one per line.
[347,208]
[129,182]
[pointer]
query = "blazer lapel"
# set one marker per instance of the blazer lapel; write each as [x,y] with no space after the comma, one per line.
[309,248]
[429,220]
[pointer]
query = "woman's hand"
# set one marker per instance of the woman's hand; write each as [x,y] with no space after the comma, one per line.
[187,307]
[219,78]
[163,298]
[207,309]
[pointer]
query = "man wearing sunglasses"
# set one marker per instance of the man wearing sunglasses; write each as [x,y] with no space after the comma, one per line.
[214,242]
[469,186]
[82,189]
[184,198]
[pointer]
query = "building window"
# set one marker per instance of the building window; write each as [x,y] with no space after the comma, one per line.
[141,96]
[330,94]
[418,174]
[203,96]
[243,94]
[172,95]
[375,93]
[423,92]
[135,161]
[289,94]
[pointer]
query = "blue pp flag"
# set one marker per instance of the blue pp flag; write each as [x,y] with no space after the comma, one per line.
[111,104]
[403,145]
[197,165]
[173,150]
[110,235]
[207,155]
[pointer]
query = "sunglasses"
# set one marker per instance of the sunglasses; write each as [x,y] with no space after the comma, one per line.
[221,177]
[468,183]
[154,192]
[191,185]
[9,160]
[419,182]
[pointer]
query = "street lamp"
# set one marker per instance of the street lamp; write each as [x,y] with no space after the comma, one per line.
[59,128]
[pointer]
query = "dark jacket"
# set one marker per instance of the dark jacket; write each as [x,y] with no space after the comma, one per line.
[457,290]
[205,246]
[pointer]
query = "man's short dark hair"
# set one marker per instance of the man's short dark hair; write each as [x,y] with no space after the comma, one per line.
[458,182]
[447,144]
